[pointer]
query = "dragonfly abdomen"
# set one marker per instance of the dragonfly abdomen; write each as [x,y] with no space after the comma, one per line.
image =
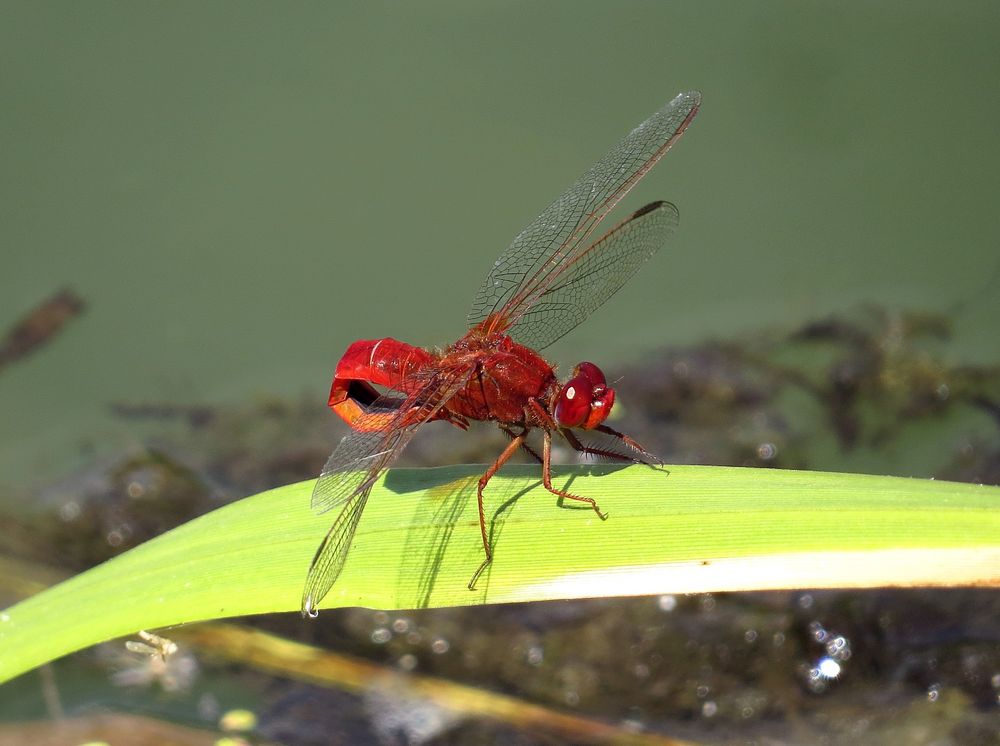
[385,362]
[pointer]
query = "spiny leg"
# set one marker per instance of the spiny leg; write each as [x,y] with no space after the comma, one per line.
[524,445]
[630,442]
[516,442]
[605,453]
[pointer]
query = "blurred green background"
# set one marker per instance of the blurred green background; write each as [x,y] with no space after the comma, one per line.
[239,190]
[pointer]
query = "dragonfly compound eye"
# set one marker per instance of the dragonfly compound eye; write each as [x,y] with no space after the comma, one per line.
[591,372]
[583,402]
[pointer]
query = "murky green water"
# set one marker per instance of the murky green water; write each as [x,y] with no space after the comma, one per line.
[239,191]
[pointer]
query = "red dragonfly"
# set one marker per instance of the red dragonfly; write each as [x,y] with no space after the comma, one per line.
[549,280]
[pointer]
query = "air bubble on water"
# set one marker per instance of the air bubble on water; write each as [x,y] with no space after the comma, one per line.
[69,511]
[408,662]
[381,635]
[838,648]
[828,668]
[667,602]
[818,633]
[816,681]
[401,625]
[440,645]
[708,709]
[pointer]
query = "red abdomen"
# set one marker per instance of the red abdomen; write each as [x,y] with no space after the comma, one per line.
[386,362]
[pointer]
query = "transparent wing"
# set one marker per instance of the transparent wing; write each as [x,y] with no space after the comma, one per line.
[358,462]
[381,435]
[331,555]
[597,274]
[544,250]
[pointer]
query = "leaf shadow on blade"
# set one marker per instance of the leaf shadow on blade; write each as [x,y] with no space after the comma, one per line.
[589,470]
[432,529]
[438,513]
[449,504]
[497,522]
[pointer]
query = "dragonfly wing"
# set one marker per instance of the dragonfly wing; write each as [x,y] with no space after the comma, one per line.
[597,274]
[370,448]
[544,249]
[356,465]
[331,555]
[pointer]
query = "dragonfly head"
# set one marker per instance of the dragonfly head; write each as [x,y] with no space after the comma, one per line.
[585,400]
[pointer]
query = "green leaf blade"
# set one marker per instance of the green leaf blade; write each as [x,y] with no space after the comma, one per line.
[689,529]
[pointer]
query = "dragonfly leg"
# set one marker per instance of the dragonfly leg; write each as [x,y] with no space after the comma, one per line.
[516,442]
[631,443]
[524,445]
[548,424]
[615,455]
[547,477]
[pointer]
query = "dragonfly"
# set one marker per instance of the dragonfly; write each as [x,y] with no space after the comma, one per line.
[550,278]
